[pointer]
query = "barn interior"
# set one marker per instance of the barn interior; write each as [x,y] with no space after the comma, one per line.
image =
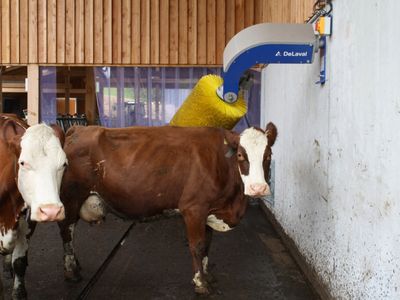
[330,228]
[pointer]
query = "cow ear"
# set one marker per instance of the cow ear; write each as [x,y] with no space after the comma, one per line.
[232,139]
[10,129]
[271,132]
[11,133]
[59,133]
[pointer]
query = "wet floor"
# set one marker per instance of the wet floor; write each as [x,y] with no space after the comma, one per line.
[154,262]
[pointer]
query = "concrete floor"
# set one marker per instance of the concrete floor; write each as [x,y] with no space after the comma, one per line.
[249,262]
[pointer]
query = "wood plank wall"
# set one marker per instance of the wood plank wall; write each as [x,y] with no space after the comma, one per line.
[132,32]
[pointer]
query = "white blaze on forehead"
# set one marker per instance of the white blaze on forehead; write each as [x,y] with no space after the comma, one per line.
[254,142]
[40,141]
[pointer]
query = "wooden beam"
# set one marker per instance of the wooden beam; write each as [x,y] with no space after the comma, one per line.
[70,32]
[60,43]
[42,31]
[164,31]
[51,31]
[192,32]
[98,33]
[90,97]
[5,28]
[33,94]
[16,90]
[202,32]
[126,31]
[155,31]
[135,40]
[116,32]
[173,31]
[15,31]
[89,31]
[183,32]
[211,32]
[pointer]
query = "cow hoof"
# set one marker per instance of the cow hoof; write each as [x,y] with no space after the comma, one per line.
[19,294]
[72,276]
[202,290]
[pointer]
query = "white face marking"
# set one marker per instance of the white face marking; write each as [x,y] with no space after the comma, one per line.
[7,240]
[41,167]
[217,224]
[93,209]
[254,142]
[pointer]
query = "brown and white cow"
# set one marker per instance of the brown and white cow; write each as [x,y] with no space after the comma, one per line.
[138,172]
[32,163]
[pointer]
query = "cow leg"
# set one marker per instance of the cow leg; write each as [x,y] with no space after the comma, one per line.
[1,289]
[205,261]
[20,257]
[71,264]
[196,234]
[7,266]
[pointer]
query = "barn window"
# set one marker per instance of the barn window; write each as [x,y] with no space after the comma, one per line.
[125,96]
[149,96]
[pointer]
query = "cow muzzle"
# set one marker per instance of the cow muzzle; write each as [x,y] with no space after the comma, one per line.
[50,213]
[258,190]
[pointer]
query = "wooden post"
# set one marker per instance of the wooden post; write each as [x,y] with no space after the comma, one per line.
[1,89]
[33,94]
[90,97]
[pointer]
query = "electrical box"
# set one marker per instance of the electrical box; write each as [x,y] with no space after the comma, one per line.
[323,26]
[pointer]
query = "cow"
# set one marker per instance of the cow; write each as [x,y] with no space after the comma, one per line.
[32,164]
[139,172]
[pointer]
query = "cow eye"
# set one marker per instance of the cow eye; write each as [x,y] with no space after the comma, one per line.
[240,157]
[25,165]
[65,164]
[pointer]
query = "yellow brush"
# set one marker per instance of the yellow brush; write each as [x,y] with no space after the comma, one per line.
[203,107]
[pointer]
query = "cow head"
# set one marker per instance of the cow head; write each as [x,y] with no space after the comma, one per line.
[253,153]
[41,165]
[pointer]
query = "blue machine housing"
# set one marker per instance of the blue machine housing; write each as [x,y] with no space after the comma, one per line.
[265,44]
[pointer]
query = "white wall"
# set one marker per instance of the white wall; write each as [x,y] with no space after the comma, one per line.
[337,185]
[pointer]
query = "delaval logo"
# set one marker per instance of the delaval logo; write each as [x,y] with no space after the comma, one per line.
[292,53]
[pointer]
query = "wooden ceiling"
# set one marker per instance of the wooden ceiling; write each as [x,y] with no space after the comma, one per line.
[132,32]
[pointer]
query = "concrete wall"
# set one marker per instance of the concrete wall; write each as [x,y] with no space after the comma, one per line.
[337,185]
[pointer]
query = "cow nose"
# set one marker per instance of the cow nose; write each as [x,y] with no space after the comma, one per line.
[259,189]
[51,212]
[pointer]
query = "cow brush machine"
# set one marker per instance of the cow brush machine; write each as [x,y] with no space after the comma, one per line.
[216,101]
